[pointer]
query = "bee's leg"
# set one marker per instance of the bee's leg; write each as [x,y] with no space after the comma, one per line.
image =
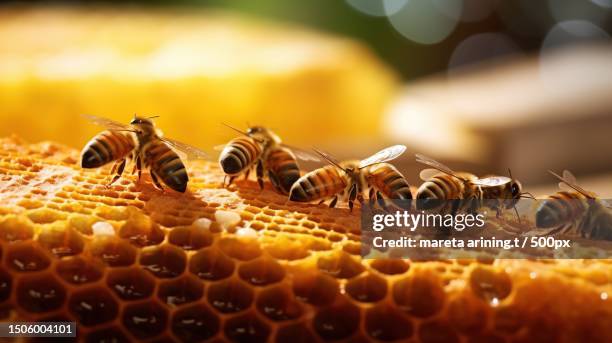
[247,173]
[381,201]
[371,195]
[119,171]
[320,202]
[352,196]
[332,204]
[224,180]
[138,166]
[260,174]
[156,181]
[230,181]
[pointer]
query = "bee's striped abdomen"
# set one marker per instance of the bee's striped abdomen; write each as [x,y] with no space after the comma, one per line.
[239,154]
[390,182]
[319,184]
[166,164]
[283,169]
[559,209]
[106,147]
[434,191]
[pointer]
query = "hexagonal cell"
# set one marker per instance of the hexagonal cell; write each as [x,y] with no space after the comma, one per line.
[490,285]
[337,321]
[140,230]
[93,306]
[26,257]
[16,228]
[190,237]
[61,242]
[420,295]
[390,266]
[295,333]
[6,283]
[164,262]
[437,332]
[246,328]
[195,323]
[279,303]
[78,271]
[211,264]
[145,320]
[113,251]
[112,334]
[131,283]
[261,272]
[340,265]
[40,293]
[367,288]
[180,291]
[315,288]
[230,295]
[287,249]
[240,249]
[385,323]
[467,314]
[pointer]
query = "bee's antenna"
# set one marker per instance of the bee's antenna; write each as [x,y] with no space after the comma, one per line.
[510,173]
[152,117]
[529,197]
[235,129]
[329,159]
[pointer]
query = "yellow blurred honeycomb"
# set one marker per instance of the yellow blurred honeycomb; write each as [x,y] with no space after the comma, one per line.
[129,263]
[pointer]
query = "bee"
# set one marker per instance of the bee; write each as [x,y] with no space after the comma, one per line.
[574,209]
[263,150]
[470,192]
[350,179]
[143,143]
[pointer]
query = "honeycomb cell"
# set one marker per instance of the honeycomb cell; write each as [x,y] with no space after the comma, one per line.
[194,323]
[420,295]
[246,328]
[385,323]
[367,288]
[180,291]
[467,314]
[390,266]
[241,249]
[507,319]
[61,242]
[113,251]
[278,303]
[26,257]
[93,306]
[6,282]
[13,229]
[486,338]
[131,283]
[211,264]
[261,272]
[40,293]
[112,334]
[141,234]
[78,270]
[490,285]
[337,321]
[437,332]
[145,320]
[287,249]
[315,288]
[340,265]
[230,295]
[295,333]
[190,237]
[164,262]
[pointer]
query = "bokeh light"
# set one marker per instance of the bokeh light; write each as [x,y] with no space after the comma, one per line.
[563,10]
[377,8]
[427,22]
[482,47]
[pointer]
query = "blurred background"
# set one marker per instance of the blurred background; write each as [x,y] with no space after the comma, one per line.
[481,85]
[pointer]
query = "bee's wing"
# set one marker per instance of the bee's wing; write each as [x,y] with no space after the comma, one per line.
[569,180]
[189,151]
[427,174]
[492,181]
[386,154]
[107,123]
[302,154]
[219,147]
[437,165]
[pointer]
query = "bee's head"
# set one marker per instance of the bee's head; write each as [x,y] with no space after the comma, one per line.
[513,193]
[143,126]
[263,134]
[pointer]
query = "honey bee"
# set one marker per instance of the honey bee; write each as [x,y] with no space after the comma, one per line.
[142,142]
[262,149]
[349,179]
[470,192]
[574,209]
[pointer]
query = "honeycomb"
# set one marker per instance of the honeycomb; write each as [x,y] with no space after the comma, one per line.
[129,263]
